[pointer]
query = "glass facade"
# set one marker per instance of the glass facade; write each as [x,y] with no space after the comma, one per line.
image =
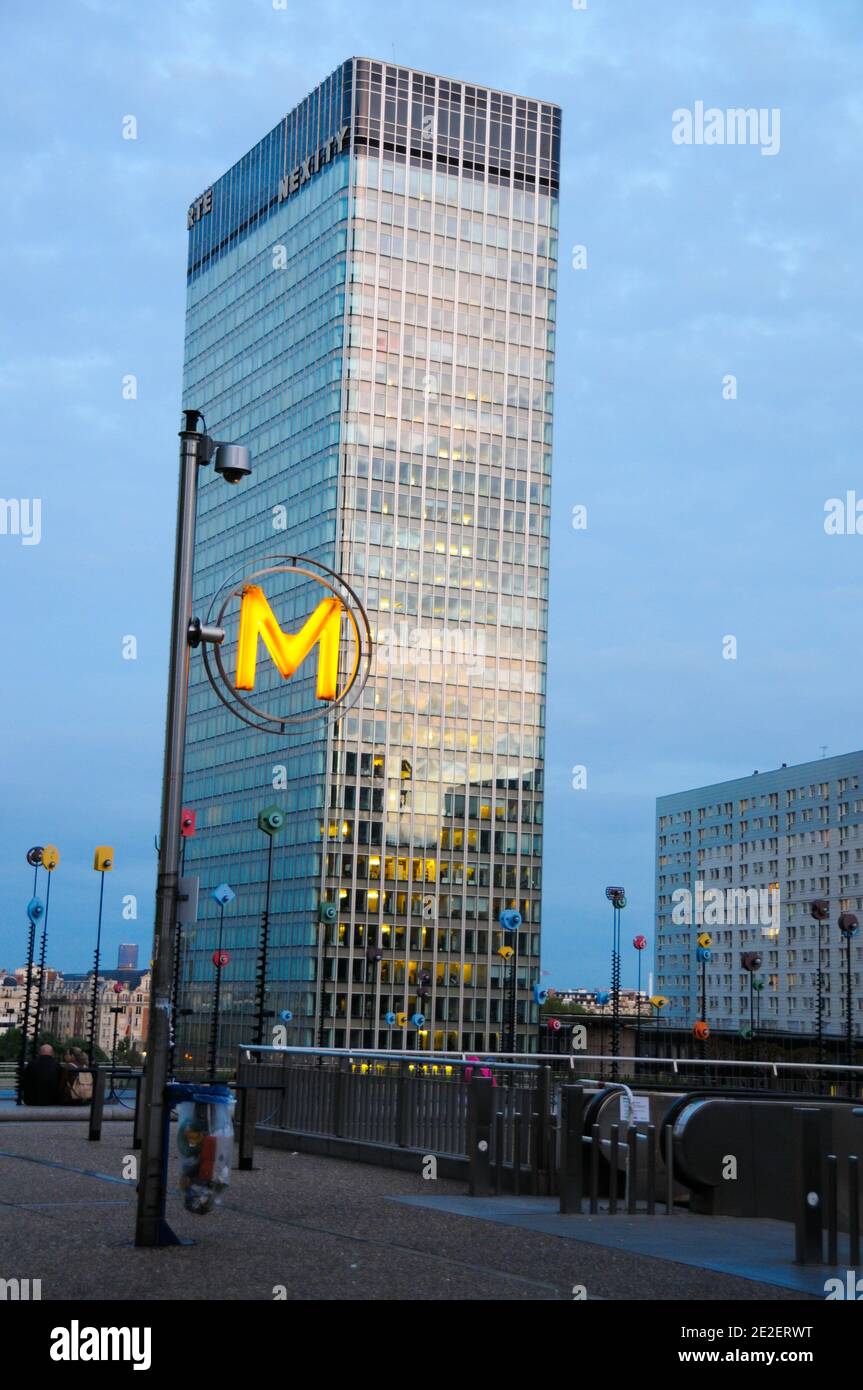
[371,310]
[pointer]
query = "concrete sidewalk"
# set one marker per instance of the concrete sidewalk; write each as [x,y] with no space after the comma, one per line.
[319,1228]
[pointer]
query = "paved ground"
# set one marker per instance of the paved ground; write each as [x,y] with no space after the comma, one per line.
[322,1228]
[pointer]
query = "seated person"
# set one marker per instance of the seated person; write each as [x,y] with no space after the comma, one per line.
[40,1084]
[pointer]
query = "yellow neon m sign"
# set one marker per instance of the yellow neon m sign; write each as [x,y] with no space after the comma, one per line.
[288,649]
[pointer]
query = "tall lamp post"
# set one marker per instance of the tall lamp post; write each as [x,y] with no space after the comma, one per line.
[702,955]
[639,942]
[116,1010]
[223,895]
[849,927]
[232,461]
[328,915]
[617,898]
[751,961]
[50,860]
[270,821]
[658,1002]
[374,956]
[602,999]
[35,909]
[511,920]
[507,955]
[819,911]
[187,830]
[103,862]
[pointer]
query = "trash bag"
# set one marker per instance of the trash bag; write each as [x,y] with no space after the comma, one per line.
[205,1140]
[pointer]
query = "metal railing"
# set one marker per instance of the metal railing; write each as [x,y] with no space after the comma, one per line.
[412,1101]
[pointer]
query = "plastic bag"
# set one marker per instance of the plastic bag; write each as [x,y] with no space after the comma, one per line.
[205,1140]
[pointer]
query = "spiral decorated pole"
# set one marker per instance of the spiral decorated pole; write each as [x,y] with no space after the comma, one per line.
[270,822]
[849,926]
[103,862]
[223,895]
[617,897]
[50,860]
[35,912]
[639,942]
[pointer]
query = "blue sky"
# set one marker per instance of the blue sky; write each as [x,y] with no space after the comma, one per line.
[705,515]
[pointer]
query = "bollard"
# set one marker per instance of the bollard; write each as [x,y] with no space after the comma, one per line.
[807,1186]
[97,1103]
[248,1115]
[479,1135]
[571,1181]
[853,1209]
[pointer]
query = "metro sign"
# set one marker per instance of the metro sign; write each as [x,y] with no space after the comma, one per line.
[288,650]
[337,627]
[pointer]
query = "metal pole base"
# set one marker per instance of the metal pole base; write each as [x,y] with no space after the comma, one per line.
[166,1236]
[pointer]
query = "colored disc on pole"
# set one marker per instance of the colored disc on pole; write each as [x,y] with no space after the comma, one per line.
[220,958]
[34,856]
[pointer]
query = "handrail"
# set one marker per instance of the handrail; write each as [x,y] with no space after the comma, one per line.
[572,1059]
[451,1058]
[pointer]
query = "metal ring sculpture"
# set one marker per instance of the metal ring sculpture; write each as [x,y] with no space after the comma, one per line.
[262,719]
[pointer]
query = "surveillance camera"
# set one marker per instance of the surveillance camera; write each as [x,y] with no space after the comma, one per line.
[232,461]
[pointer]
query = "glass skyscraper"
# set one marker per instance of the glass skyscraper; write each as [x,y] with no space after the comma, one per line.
[371,310]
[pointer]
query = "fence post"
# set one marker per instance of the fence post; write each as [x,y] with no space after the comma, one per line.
[668,1155]
[404,1100]
[594,1169]
[651,1170]
[340,1081]
[543,1156]
[807,1186]
[136,1123]
[632,1170]
[516,1154]
[571,1181]
[853,1209]
[248,1115]
[499,1142]
[832,1205]
[613,1160]
[479,1135]
[97,1103]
